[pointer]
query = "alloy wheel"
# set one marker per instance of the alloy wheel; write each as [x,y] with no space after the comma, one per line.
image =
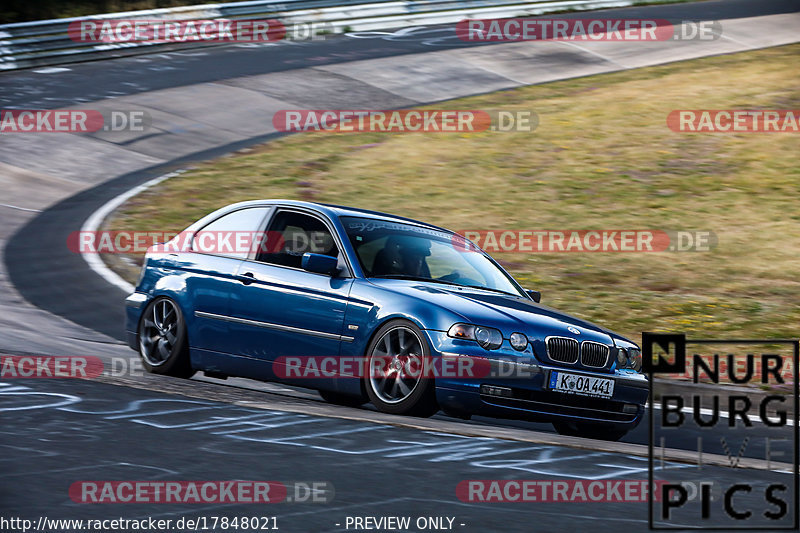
[158,333]
[396,365]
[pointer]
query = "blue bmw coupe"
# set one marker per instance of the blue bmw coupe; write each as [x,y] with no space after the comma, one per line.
[370,307]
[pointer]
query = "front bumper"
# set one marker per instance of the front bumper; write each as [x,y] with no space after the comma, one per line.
[514,384]
[135,304]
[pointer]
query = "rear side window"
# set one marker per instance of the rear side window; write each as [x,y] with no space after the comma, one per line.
[235,234]
[291,234]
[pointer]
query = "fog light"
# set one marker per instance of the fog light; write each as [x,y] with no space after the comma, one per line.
[630,408]
[491,390]
[518,341]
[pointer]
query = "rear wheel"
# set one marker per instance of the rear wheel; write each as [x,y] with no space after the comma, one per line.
[589,430]
[162,339]
[396,380]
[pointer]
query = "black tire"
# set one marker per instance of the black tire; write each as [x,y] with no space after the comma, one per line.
[589,430]
[163,344]
[421,399]
[342,399]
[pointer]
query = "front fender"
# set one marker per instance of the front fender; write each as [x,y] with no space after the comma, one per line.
[371,306]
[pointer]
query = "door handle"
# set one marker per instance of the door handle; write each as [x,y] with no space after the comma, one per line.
[247,278]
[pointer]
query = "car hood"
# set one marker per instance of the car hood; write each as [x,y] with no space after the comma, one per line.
[507,313]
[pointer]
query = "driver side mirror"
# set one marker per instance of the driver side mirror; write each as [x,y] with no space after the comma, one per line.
[536,296]
[320,264]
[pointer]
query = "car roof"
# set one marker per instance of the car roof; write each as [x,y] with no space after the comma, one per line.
[358,212]
[339,210]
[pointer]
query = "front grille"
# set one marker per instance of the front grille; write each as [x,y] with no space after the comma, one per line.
[594,354]
[562,349]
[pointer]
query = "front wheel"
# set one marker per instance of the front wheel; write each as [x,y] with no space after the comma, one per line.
[162,340]
[398,364]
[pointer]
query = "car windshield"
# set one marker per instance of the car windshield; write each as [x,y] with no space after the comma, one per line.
[388,249]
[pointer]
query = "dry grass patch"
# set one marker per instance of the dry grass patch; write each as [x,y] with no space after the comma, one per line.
[601,158]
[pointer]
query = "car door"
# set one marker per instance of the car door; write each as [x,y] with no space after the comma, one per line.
[279,309]
[209,275]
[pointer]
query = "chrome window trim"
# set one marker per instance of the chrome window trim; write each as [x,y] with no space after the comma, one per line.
[261,227]
[278,208]
[270,325]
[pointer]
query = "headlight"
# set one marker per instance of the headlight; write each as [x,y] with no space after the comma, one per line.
[462,331]
[635,355]
[488,338]
[622,358]
[142,272]
[518,341]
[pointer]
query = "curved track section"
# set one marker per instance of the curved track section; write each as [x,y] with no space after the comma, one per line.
[202,102]
[61,283]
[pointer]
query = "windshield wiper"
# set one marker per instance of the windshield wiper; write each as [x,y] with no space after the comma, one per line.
[492,289]
[434,280]
[415,278]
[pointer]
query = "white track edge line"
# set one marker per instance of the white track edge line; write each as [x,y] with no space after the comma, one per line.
[96,219]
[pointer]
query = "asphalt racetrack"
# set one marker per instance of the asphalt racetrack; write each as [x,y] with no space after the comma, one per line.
[212,101]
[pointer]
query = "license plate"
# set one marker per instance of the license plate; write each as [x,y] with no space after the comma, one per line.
[583,385]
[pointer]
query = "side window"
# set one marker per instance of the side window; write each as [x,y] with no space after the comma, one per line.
[291,234]
[234,234]
[368,251]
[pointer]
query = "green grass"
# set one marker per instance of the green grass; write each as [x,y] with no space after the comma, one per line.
[601,158]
